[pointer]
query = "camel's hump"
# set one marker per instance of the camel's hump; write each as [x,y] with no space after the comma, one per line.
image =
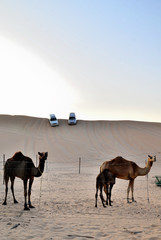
[18,156]
[120,160]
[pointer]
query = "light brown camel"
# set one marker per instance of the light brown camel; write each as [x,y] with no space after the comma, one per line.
[128,170]
[23,167]
[104,179]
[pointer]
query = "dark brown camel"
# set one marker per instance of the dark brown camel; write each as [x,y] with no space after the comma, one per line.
[23,167]
[128,170]
[104,179]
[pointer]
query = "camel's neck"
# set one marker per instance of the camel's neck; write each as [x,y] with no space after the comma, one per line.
[40,169]
[146,169]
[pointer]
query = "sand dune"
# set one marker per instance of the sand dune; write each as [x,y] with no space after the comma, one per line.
[64,199]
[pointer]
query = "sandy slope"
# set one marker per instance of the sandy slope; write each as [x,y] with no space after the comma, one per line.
[64,199]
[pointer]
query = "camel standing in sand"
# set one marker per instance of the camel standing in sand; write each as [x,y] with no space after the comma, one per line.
[23,167]
[104,179]
[128,170]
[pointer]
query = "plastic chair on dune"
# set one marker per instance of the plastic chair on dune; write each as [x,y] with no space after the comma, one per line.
[158,180]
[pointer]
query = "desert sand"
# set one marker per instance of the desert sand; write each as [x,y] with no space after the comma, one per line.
[64,200]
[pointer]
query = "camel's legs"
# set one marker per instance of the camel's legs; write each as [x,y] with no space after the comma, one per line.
[25,194]
[101,196]
[96,195]
[130,186]
[108,190]
[12,188]
[29,192]
[132,190]
[105,190]
[128,190]
[109,193]
[6,179]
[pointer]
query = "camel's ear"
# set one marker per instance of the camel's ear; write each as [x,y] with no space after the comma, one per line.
[40,153]
[46,154]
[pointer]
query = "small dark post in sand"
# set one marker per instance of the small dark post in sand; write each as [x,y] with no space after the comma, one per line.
[3,164]
[79,165]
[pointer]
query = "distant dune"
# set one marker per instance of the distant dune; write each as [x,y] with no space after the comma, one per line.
[90,139]
[65,209]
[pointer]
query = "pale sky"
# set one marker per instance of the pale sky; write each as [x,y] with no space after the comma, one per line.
[98,58]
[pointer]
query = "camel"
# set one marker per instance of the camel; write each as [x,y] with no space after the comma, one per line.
[104,179]
[128,170]
[23,167]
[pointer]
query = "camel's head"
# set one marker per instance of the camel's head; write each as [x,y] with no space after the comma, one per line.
[151,159]
[43,156]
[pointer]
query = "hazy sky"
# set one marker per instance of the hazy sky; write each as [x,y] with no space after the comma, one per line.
[98,58]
